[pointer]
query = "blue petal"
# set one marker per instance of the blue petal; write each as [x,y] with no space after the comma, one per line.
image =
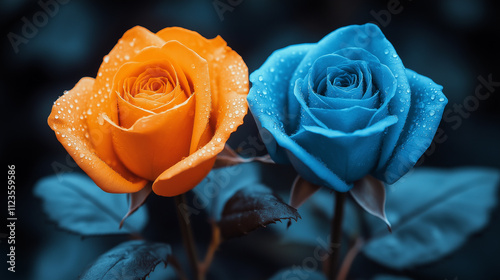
[370,38]
[428,102]
[306,116]
[375,128]
[385,82]
[309,167]
[317,83]
[319,68]
[268,95]
[364,56]
[357,54]
[338,75]
[346,120]
[349,155]
[319,101]
[320,88]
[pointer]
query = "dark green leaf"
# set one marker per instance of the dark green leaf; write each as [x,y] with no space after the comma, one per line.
[76,204]
[433,212]
[128,261]
[251,208]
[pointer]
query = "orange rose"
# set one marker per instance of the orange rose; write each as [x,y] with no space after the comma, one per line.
[160,109]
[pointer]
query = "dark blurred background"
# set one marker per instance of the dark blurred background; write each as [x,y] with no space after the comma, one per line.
[452,41]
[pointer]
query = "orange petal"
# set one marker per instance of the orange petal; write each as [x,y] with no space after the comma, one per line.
[130,89]
[69,121]
[132,42]
[229,85]
[187,173]
[101,101]
[156,142]
[177,96]
[154,55]
[129,113]
[185,181]
[228,71]
[196,70]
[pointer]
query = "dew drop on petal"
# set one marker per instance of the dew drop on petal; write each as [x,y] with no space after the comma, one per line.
[386,51]
[432,113]
[261,78]
[100,120]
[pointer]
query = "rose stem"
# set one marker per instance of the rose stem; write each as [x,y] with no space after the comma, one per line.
[187,234]
[349,258]
[212,248]
[336,234]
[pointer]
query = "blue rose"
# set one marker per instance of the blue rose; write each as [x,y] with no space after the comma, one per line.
[344,108]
